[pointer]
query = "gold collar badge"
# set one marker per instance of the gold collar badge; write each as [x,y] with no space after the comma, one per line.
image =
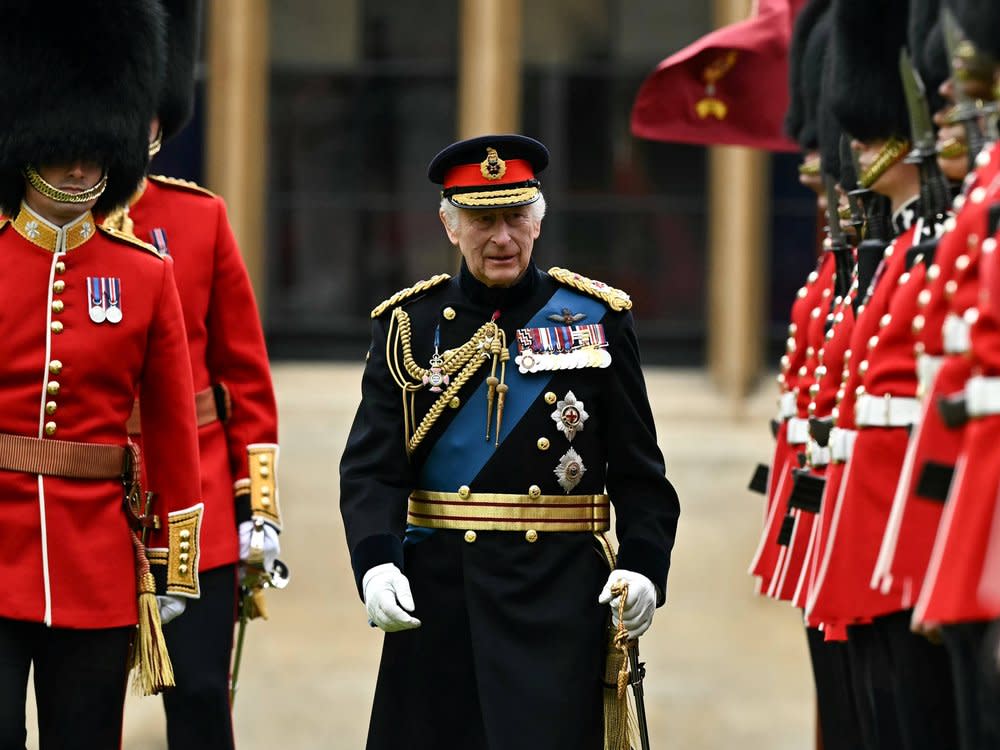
[492,167]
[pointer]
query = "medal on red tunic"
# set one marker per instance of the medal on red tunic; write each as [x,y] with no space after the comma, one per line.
[114,299]
[159,238]
[95,299]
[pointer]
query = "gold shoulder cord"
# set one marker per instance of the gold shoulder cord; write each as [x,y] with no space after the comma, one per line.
[487,343]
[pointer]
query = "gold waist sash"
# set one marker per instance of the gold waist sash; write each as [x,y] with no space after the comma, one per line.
[487,511]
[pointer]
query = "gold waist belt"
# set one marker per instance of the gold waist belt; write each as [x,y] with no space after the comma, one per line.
[486,511]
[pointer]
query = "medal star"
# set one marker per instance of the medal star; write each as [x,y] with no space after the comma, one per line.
[31,228]
[570,416]
[570,470]
[85,229]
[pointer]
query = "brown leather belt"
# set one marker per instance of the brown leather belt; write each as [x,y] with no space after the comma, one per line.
[205,409]
[61,458]
[487,511]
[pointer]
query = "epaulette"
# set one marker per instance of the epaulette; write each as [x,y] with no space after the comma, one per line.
[412,291]
[616,299]
[129,239]
[177,182]
[4,221]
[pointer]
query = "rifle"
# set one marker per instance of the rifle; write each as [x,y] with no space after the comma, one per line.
[966,111]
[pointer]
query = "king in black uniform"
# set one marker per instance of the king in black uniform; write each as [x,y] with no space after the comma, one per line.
[502,413]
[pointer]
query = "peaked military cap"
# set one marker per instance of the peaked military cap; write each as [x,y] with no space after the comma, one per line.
[867,96]
[80,83]
[490,171]
[183,35]
[800,119]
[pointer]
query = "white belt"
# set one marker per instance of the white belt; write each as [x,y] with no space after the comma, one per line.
[817,455]
[982,396]
[842,444]
[886,411]
[798,431]
[927,370]
[956,334]
[786,405]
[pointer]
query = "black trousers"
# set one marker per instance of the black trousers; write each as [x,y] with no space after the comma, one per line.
[80,679]
[200,643]
[973,666]
[921,684]
[871,678]
[838,714]
[511,650]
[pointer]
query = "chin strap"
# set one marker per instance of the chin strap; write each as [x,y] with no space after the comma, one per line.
[60,196]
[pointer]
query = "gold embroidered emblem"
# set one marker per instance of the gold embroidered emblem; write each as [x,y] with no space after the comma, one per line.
[710,106]
[492,167]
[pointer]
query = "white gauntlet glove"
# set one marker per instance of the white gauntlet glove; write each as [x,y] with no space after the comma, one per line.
[640,604]
[270,544]
[170,607]
[387,595]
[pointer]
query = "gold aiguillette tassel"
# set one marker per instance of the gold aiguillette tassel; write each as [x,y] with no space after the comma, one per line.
[502,389]
[492,382]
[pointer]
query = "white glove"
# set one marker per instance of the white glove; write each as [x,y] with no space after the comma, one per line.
[272,547]
[170,607]
[387,595]
[640,604]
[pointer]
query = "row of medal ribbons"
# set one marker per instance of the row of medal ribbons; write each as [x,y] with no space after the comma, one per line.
[561,348]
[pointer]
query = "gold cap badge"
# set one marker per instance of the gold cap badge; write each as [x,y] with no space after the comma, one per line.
[492,167]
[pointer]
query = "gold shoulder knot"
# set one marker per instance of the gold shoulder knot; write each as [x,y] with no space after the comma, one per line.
[3,222]
[405,294]
[193,187]
[127,238]
[616,299]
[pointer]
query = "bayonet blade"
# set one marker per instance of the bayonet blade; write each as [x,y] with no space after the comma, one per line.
[921,126]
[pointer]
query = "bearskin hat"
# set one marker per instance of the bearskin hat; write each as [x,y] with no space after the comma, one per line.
[798,124]
[183,36]
[980,20]
[926,46]
[78,80]
[812,81]
[828,128]
[867,96]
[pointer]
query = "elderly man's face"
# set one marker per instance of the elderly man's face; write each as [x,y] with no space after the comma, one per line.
[496,243]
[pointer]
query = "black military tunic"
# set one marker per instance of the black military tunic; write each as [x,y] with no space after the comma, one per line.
[513,639]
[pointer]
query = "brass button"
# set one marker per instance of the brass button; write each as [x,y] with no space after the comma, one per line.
[801,294]
[264,471]
[50,407]
[531,535]
[543,444]
[58,305]
[918,323]
[60,268]
[470,536]
[449,313]
[57,326]
[455,402]
[534,491]
[185,534]
[59,286]
[182,568]
[886,320]
[813,277]
[185,546]
[950,288]
[464,491]
[50,428]
[962,262]
[184,557]
[924,297]
[873,342]
[863,366]
[52,387]
[933,272]
[265,490]
[263,459]
[55,367]
[550,398]
[265,501]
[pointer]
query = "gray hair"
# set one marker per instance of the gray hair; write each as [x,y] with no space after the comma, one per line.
[451,211]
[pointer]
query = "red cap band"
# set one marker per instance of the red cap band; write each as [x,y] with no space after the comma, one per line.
[471,175]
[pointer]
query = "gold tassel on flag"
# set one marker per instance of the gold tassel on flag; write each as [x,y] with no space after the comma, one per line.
[150,660]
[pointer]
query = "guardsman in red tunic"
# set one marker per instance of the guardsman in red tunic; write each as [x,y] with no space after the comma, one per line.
[89,320]
[906,673]
[235,404]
